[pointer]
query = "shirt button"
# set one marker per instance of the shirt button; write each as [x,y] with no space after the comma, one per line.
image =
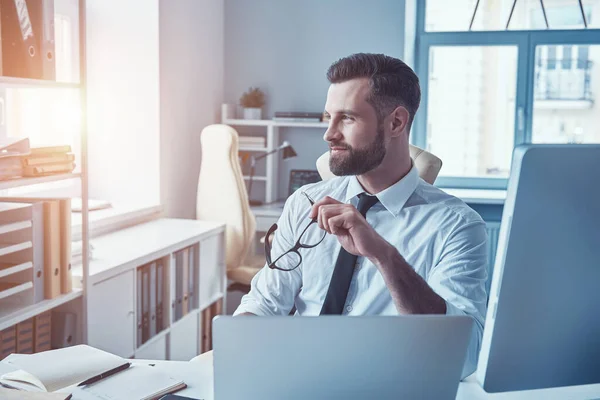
[348,308]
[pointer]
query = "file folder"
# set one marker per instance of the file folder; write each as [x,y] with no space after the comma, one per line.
[66,277]
[139,300]
[160,277]
[153,286]
[52,268]
[145,304]
[184,254]
[192,279]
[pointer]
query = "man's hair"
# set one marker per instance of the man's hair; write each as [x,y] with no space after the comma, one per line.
[392,82]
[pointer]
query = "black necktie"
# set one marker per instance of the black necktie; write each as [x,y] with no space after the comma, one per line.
[344,268]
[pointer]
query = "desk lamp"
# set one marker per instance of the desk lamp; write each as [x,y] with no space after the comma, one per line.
[288,152]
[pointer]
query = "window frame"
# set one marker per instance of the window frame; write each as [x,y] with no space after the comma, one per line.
[526,42]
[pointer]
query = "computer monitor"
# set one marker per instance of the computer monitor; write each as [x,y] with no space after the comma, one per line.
[301,177]
[543,321]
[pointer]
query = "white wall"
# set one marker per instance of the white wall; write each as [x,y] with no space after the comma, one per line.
[191,87]
[123,100]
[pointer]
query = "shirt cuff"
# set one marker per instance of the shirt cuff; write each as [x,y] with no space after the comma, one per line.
[250,307]
[451,309]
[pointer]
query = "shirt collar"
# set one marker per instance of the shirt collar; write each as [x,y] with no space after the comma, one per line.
[394,197]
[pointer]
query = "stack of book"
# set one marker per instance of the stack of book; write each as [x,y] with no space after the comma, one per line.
[251,142]
[48,160]
[292,116]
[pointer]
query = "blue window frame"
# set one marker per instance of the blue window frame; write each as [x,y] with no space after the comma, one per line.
[527,44]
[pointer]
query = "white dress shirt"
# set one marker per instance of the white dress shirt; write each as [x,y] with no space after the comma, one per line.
[437,234]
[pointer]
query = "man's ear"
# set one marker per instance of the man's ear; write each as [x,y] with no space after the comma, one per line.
[399,120]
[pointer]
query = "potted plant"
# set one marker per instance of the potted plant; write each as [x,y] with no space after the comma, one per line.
[253,101]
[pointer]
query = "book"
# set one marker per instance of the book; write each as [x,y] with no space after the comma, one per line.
[48,169]
[50,150]
[139,381]
[53,370]
[11,394]
[41,159]
[86,373]
[298,114]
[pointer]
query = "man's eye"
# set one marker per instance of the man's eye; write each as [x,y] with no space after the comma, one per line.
[347,118]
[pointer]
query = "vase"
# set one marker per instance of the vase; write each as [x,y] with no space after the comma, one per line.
[252,113]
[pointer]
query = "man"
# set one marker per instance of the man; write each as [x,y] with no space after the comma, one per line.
[417,251]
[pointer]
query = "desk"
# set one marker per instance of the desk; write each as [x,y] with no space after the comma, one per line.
[198,374]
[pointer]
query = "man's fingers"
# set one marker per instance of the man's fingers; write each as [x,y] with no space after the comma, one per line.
[324,201]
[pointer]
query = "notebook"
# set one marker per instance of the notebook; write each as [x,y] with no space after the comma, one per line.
[52,370]
[62,370]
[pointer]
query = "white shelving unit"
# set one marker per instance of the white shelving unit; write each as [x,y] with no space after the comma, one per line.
[272,129]
[19,248]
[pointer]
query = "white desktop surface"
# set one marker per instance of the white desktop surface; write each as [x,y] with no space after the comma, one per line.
[198,375]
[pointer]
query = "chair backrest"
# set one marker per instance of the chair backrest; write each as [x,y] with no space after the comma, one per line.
[427,164]
[222,192]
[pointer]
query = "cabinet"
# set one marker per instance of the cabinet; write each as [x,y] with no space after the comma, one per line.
[111,315]
[115,314]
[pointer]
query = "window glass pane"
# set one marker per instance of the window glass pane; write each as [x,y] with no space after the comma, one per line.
[471,109]
[492,15]
[564,110]
[443,15]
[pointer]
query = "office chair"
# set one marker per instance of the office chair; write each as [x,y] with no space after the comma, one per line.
[222,197]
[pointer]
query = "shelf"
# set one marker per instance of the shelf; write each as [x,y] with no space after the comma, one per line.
[35,83]
[8,289]
[6,248]
[248,122]
[13,314]
[270,122]
[18,182]
[16,226]
[256,178]
[9,269]
[257,149]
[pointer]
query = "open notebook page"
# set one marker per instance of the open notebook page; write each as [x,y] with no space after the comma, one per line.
[139,381]
[60,368]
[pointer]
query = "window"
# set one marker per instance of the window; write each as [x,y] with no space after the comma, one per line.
[499,73]
[499,15]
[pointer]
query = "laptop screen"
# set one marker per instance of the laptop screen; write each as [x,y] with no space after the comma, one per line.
[301,177]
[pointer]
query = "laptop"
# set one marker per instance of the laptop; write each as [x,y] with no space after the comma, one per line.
[339,357]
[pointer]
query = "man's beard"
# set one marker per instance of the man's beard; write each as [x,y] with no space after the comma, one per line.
[358,161]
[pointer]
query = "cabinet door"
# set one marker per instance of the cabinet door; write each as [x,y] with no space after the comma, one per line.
[156,349]
[183,338]
[111,315]
[212,270]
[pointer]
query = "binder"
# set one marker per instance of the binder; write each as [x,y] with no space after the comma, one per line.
[184,280]
[63,328]
[8,342]
[25,337]
[66,276]
[145,304]
[160,277]
[52,266]
[176,286]
[42,329]
[153,286]
[192,279]
[139,300]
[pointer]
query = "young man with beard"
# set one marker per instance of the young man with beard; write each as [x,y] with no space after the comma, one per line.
[395,244]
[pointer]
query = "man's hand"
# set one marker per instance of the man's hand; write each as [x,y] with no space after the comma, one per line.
[351,228]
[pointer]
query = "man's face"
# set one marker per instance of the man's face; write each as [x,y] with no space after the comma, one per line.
[356,138]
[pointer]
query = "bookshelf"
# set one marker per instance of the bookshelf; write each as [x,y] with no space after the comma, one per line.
[272,130]
[23,297]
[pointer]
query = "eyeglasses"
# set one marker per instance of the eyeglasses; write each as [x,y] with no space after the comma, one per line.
[292,258]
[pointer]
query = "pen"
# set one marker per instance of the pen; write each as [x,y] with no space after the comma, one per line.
[103,375]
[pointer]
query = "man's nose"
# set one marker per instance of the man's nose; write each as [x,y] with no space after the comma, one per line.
[332,134]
